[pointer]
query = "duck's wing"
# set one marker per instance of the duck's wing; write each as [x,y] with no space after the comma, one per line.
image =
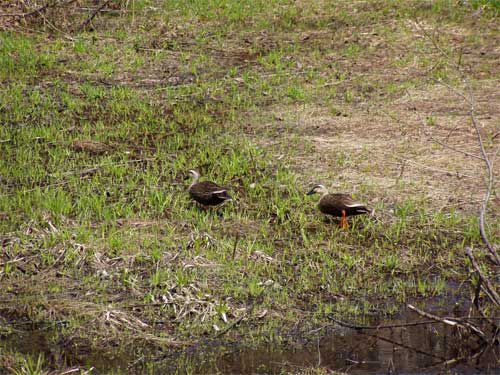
[345,200]
[209,190]
[336,204]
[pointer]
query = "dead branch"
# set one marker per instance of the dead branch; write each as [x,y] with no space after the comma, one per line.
[454,149]
[235,246]
[489,170]
[431,138]
[458,359]
[361,328]
[27,14]
[436,170]
[389,326]
[231,326]
[483,282]
[479,309]
[92,15]
[490,291]
[38,10]
[451,322]
[400,344]
[489,166]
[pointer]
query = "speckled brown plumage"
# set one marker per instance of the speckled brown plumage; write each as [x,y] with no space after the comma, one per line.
[207,193]
[334,204]
[339,205]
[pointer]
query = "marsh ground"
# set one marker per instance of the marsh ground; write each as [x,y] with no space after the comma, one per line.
[101,247]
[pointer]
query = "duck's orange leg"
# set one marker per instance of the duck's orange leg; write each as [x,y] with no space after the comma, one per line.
[343,222]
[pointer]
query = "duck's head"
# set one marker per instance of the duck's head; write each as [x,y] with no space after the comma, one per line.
[318,189]
[194,174]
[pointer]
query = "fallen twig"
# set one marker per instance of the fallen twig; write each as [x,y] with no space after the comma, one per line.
[489,170]
[27,14]
[431,138]
[489,167]
[235,246]
[451,322]
[458,359]
[493,295]
[38,10]
[92,15]
[434,319]
[436,170]
[231,326]
[388,326]
[397,343]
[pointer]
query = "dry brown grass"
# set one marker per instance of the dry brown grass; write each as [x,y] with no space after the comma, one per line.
[393,150]
[414,142]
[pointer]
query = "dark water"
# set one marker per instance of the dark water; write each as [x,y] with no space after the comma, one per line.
[409,350]
[418,349]
[58,354]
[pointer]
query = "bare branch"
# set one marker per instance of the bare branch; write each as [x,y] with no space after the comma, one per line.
[454,149]
[451,322]
[436,170]
[483,279]
[453,361]
[49,4]
[232,325]
[378,337]
[91,17]
[402,345]
[431,138]
[389,326]
[489,167]
[487,195]
[27,14]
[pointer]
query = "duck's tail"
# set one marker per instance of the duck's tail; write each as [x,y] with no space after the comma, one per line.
[223,194]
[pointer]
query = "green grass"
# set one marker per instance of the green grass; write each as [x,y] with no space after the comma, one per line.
[108,241]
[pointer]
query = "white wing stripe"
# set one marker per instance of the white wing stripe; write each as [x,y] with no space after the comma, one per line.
[355,205]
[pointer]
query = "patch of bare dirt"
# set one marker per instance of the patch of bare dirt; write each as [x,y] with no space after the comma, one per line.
[91,147]
[421,145]
[413,147]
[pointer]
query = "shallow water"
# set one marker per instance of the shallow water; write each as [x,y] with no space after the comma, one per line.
[403,350]
[419,349]
[409,350]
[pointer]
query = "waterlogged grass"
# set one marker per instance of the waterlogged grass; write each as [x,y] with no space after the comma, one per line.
[100,240]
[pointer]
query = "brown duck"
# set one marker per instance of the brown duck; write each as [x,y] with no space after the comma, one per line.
[207,193]
[338,205]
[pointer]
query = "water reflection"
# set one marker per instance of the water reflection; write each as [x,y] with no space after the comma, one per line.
[405,350]
[417,349]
